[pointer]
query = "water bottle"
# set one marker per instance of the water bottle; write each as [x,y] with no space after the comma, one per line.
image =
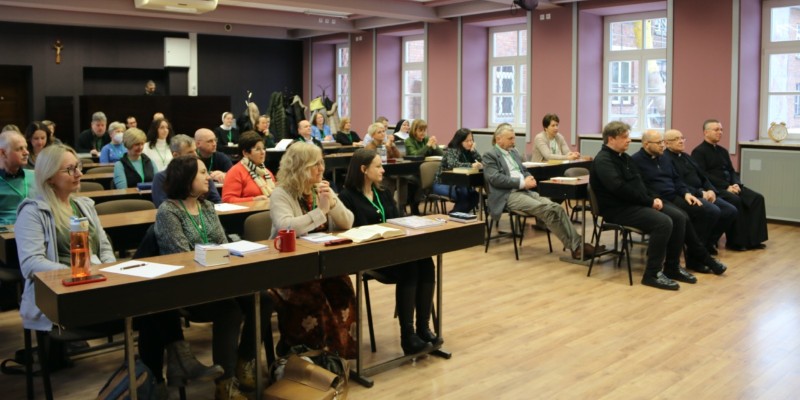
[79,251]
[382,153]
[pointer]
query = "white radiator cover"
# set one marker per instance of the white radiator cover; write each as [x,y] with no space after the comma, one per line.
[774,173]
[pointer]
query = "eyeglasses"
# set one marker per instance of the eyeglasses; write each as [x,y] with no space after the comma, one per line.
[73,170]
[680,139]
[658,142]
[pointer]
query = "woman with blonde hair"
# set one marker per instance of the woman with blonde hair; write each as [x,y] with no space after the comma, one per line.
[345,136]
[134,167]
[305,203]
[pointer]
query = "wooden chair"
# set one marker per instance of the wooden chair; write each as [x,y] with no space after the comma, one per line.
[99,170]
[91,186]
[257,227]
[123,206]
[427,173]
[574,173]
[517,221]
[621,248]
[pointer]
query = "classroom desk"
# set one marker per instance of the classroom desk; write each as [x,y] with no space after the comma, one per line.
[89,165]
[122,296]
[126,230]
[573,190]
[106,179]
[102,196]
[356,258]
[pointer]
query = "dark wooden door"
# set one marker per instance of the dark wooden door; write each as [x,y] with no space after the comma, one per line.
[14,95]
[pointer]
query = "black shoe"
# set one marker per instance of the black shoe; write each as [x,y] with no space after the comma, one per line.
[428,336]
[716,266]
[681,275]
[660,281]
[412,344]
[588,250]
[712,250]
[735,247]
[759,246]
[699,268]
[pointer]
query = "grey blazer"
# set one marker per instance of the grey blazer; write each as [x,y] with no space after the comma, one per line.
[498,178]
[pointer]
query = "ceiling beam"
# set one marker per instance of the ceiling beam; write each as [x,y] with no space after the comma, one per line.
[470,8]
[411,11]
[378,22]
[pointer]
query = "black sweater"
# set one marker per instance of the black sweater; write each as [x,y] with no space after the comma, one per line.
[696,182]
[716,163]
[617,183]
[364,212]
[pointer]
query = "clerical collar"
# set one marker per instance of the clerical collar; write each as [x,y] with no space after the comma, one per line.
[20,174]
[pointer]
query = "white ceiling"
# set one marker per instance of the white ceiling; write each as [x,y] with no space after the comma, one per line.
[283,19]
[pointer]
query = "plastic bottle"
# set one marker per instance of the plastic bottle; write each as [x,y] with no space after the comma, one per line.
[382,153]
[79,251]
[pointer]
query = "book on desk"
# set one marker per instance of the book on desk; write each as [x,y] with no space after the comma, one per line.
[367,233]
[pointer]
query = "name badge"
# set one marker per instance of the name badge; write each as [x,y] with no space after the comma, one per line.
[230,144]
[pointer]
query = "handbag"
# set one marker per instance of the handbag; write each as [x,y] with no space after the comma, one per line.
[118,386]
[300,379]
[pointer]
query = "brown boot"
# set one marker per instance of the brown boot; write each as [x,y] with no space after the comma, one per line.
[228,389]
[246,374]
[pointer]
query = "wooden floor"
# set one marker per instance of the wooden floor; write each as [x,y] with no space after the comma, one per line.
[539,328]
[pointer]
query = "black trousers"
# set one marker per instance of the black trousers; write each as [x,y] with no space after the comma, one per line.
[666,233]
[750,227]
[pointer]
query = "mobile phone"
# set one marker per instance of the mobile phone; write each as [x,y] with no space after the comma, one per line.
[82,280]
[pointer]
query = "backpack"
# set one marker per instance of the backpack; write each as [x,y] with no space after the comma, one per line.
[118,386]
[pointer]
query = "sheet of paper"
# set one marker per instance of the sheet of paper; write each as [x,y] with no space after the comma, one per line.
[228,207]
[319,237]
[528,164]
[141,269]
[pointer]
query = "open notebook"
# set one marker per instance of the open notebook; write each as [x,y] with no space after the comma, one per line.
[371,232]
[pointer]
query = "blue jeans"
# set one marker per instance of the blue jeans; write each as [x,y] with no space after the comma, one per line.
[465,198]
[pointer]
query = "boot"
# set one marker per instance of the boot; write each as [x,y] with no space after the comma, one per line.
[228,389]
[405,297]
[246,374]
[424,303]
[182,366]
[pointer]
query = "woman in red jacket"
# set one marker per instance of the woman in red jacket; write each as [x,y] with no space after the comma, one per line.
[249,179]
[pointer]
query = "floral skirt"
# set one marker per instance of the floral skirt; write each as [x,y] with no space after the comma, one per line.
[320,314]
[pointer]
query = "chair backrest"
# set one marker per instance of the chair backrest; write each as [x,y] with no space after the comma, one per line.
[257,227]
[427,171]
[593,201]
[149,245]
[122,206]
[99,170]
[576,171]
[91,186]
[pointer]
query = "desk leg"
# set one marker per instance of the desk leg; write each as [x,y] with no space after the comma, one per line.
[257,327]
[583,227]
[129,354]
[439,312]
[358,374]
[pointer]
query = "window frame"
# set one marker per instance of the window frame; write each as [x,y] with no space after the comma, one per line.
[343,106]
[414,66]
[768,49]
[642,56]
[520,95]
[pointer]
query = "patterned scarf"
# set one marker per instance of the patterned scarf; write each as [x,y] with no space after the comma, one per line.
[260,175]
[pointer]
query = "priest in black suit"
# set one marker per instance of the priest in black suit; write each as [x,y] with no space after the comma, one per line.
[749,231]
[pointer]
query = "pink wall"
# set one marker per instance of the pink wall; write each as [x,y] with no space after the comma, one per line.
[590,73]
[474,76]
[551,70]
[323,70]
[388,84]
[749,68]
[442,80]
[361,90]
[701,72]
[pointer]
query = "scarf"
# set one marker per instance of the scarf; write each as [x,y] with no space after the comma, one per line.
[260,175]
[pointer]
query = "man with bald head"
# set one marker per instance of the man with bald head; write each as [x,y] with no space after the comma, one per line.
[749,231]
[696,216]
[16,183]
[304,134]
[699,185]
[216,162]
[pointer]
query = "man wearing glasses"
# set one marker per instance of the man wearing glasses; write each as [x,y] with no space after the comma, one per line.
[750,229]
[699,185]
[696,214]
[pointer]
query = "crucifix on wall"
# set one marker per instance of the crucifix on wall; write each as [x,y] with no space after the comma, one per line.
[58,46]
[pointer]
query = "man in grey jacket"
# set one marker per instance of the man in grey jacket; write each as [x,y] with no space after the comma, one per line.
[511,185]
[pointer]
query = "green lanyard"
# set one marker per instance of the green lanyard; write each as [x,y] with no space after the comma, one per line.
[161,156]
[201,227]
[24,186]
[210,163]
[230,136]
[74,208]
[98,143]
[377,204]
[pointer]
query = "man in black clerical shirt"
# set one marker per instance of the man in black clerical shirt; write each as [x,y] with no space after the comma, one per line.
[696,215]
[699,185]
[749,231]
[92,140]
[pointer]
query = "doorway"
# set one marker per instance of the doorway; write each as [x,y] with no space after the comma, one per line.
[15,87]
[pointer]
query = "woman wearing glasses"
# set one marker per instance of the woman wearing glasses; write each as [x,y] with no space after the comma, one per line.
[320,314]
[43,229]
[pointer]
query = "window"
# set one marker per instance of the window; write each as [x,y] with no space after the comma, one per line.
[343,79]
[780,72]
[508,54]
[414,74]
[635,70]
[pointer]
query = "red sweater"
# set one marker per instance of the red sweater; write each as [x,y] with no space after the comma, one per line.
[239,186]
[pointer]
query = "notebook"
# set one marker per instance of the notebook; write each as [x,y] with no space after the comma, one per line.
[367,233]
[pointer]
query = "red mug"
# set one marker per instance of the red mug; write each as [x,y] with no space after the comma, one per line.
[285,241]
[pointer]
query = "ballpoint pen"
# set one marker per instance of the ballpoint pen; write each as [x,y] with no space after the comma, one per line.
[133,266]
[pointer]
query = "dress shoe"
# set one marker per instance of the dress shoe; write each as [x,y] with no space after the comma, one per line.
[681,274]
[428,336]
[660,281]
[412,344]
[716,266]
[712,250]
[699,268]
[588,250]
[759,246]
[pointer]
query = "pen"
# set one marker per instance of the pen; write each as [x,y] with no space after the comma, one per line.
[133,266]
